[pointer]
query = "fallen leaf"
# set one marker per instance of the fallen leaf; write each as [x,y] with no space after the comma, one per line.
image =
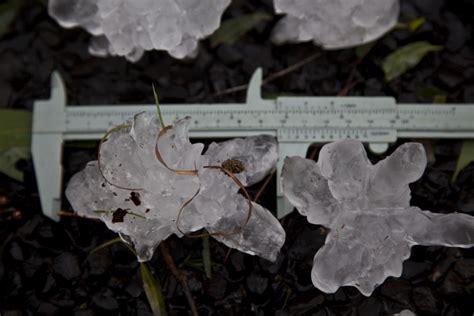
[406,58]
[363,50]
[230,30]
[15,141]
[466,156]
[206,256]
[431,94]
[416,24]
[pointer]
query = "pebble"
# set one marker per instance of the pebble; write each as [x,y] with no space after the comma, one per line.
[67,266]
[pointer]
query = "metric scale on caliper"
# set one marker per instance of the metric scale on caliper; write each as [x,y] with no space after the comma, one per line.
[297,122]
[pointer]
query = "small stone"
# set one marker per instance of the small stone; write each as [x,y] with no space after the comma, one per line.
[49,284]
[67,266]
[216,288]
[398,291]
[134,287]
[99,262]
[105,302]
[16,252]
[465,268]
[425,300]
[229,54]
[84,312]
[452,284]
[47,309]
[256,283]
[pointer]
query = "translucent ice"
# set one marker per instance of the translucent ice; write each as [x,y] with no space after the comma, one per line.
[334,24]
[139,197]
[128,28]
[367,208]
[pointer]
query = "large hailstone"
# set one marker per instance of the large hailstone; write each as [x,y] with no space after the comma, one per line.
[334,24]
[139,197]
[367,208]
[128,28]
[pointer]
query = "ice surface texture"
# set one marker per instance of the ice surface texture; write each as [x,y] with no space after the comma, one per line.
[128,28]
[367,208]
[151,195]
[334,24]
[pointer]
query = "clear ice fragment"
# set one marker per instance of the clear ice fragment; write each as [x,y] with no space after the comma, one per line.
[334,24]
[129,28]
[367,208]
[139,197]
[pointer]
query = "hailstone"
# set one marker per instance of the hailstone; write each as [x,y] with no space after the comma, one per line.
[129,28]
[367,209]
[334,24]
[147,187]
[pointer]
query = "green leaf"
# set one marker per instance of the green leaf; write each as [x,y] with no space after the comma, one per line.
[8,12]
[431,94]
[206,256]
[231,30]
[152,290]
[362,50]
[9,159]
[440,99]
[466,156]
[416,24]
[406,58]
[15,141]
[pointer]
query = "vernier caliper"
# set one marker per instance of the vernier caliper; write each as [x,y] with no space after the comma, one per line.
[297,122]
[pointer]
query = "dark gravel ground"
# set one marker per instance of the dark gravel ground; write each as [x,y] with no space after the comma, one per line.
[45,268]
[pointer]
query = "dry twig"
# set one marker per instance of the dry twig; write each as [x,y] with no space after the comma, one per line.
[179,275]
[272,76]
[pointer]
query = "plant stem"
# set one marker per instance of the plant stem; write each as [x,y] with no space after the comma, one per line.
[272,76]
[264,185]
[179,275]
[158,109]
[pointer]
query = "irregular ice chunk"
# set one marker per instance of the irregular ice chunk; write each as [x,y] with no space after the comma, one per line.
[256,166]
[129,28]
[367,208]
[140,198]
[334,24]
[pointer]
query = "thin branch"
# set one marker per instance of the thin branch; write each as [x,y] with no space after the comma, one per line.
[272,76]
[179,275]
[264,185]
[291,68]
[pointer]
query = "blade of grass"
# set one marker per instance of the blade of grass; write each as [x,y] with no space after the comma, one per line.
[158,109]
[206,256]
[105,245]
[152,290]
